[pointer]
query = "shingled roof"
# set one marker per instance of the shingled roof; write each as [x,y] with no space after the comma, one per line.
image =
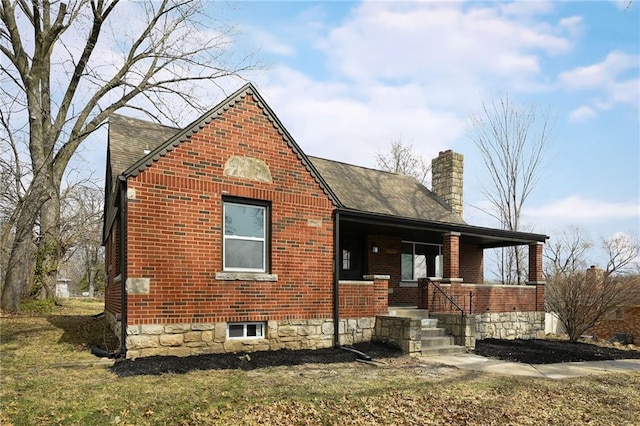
[135,145]
[130,139]
[357,188]
[374,191]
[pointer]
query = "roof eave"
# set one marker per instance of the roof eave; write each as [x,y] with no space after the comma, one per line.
[464,229]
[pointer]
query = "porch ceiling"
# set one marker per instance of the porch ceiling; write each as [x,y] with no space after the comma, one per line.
[428,231]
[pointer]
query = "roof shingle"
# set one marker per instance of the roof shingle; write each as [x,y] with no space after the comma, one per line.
[375,191]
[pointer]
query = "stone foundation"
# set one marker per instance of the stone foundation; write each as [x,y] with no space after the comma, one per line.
[196,339]
[510,325]
[502,325]
[405,333]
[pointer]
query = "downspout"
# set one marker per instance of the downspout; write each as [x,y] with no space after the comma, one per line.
[336,280]
[122,353]
[336,293]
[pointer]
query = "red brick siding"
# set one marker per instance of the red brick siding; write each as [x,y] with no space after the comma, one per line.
[388,262]
[628,322]
[451,255]
[487,298]
[363,299]
[471,264]
[535,262]
[175,229]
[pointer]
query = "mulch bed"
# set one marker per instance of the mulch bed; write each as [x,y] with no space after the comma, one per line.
[537,351]
[157,365]
[534,351]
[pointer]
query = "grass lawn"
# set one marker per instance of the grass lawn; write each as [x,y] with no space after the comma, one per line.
[49,377]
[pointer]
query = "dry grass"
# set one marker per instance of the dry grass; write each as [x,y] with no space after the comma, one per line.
[35,390]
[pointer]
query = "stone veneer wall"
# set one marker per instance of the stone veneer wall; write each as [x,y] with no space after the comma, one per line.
[502,325]
[406,333]
[510,325]
[195,339]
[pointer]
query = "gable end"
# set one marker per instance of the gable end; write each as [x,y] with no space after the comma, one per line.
[216,112]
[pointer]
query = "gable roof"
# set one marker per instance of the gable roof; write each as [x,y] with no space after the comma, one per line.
[358,190]
[173,137]
[375,191]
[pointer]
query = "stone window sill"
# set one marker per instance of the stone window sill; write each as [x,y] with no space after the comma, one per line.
[246,276]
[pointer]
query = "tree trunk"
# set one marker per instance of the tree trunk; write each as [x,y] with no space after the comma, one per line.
[18,267]
[49,249]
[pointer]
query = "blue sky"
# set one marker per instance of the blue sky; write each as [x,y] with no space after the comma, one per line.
[346,78]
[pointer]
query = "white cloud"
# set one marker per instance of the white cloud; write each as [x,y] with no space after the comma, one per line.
[268,42]
[600,74]
[448,42]
[582,113]
[410,70]
[608,80]
[623,4]
[351,124]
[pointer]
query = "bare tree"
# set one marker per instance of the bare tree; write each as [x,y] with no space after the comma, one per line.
[512,141]
[59,73]
[582,297]
[567,252]
[404,160]
[83,260]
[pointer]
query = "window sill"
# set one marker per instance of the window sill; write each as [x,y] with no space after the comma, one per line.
[246,276]
[408,284]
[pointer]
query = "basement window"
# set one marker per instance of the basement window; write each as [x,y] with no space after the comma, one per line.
[245,330]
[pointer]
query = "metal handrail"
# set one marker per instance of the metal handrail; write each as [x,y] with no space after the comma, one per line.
[454,304]
[441,291]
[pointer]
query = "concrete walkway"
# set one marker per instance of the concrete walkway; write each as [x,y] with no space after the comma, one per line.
[550,371]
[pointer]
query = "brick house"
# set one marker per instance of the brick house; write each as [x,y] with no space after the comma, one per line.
[224,236]
[623,323]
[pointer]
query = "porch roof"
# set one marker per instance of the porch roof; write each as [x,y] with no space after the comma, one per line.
[407,227]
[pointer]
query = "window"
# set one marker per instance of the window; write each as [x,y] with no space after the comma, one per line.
[245,330]
[346,260]
[245,242]
[421,260]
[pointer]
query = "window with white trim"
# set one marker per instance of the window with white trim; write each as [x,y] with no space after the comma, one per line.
[420,260]
[245,237]
[245,330]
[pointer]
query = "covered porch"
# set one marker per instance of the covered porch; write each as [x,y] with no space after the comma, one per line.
[450,255]
[438,269]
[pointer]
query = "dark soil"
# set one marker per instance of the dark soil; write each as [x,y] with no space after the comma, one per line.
[157,365]
[538,351]
[526,351]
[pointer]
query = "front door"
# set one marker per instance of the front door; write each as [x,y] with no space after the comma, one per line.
[352,261]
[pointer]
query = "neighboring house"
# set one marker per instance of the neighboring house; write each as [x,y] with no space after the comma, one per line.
[225,236]
[623,323]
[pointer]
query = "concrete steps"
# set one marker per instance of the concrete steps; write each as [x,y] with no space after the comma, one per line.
[436,341]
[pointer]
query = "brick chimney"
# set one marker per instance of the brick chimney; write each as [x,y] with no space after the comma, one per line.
[446,178]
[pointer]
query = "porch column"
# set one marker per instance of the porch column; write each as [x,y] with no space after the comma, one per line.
[451,255]
[535,273]
[535,262]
